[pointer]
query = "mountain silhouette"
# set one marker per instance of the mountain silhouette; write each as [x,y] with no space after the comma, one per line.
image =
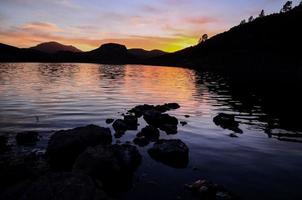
[266,48]
[54,47]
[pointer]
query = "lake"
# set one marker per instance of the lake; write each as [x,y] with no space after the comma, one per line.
[264,162]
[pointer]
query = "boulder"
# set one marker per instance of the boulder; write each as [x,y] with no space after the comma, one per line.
[170,129]
[227,121]
[120,126]
[109,164]
[131,122]
[65,146]
[157,119]
[174,153]
[3,143]
[64,186]
[27,138]
[149,132]
[141,141]
[141,109]
[109,121]
[204,189]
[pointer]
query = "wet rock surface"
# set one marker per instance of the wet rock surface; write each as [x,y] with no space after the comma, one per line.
[205,190]
[109,164]
[174,153]
[64,186]
[65,146]
[3,144]
[149,132]
[27,138]
[227,121]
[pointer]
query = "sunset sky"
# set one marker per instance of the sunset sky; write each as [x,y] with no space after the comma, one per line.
[168,25]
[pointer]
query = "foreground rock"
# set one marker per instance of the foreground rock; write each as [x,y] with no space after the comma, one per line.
[227,121]
[207,190]
[119,126]
[27,138]
[165,122]
[113,165]
[64,186]
[174,153]
[3,144]
[150,132]
[141,109]
[65,146]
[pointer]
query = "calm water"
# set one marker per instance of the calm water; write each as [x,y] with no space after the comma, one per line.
[262,163]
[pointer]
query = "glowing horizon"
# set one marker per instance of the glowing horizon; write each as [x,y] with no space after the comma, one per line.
[168,25]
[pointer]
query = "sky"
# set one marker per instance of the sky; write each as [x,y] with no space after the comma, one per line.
[167,25]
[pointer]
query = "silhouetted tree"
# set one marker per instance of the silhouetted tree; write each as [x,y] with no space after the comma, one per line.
[262,14]
[203,38]
[251,19]
[287,7]
[243,22]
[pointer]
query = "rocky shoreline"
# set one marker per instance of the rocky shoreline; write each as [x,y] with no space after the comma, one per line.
[84,162]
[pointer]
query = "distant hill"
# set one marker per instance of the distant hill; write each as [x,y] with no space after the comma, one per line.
[267,48]
[142,53]
[54,47]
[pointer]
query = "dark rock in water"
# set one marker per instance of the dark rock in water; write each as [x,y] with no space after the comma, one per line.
[233,135]
[227,121]
[141,109]
[174,153]
[119,134]
[157,119]
[183,123]
[65,146]
[187,116]
[27,138]
[141,141]
[120,126]
[166,107]
[113,165]
[64,186]
[131,122]
[149,132]
[3,143]
[204,189]
[170,129]
[109,121]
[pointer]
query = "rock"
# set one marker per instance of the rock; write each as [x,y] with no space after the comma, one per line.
[120,126]
[170,129]
[141,109]
[27,138]
[149,132]
[157,119]
[64,186]
[109,164]
[3,144]
[227,121]
[131,122]
[109,121]
[207,190]
[141,141]
[65,146]
[183,123]
[187,116]
[174,153]
[233,135]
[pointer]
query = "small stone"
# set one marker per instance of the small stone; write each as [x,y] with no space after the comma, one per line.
[183,123]
[109,121]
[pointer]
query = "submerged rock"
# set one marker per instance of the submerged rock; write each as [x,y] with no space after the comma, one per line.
[131,122]
[64,186]
[183,123]
[149,132]
[204,189]
[65,146]
[113,165]
[27,138]
[3,143]
[141,141]
[120,126]
[109,121]
[227,121]
[141,109]
[174,153]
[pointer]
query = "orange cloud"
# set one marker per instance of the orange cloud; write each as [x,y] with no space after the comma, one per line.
[41,26]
